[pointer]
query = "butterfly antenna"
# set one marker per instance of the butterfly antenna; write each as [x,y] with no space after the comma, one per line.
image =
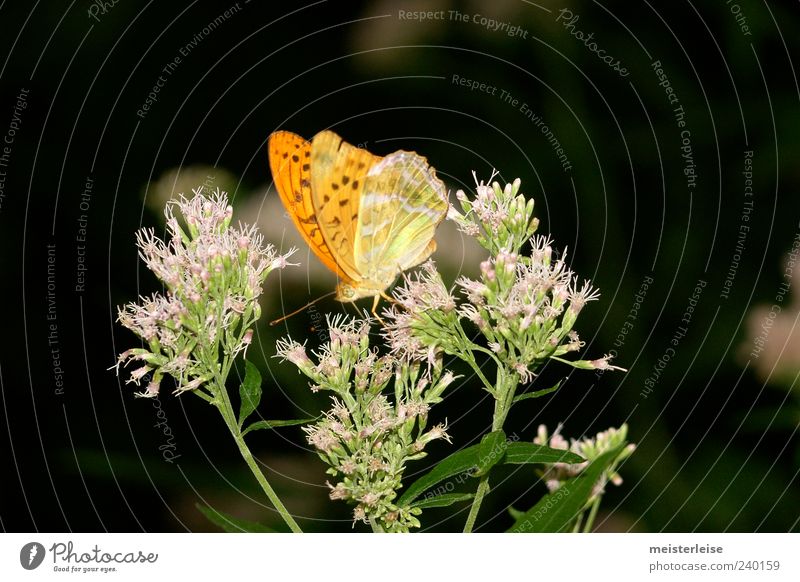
[303,308]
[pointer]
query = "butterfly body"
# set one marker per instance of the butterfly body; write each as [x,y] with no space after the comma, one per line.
[367,218]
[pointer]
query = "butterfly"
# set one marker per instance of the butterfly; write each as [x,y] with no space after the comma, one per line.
[368,218]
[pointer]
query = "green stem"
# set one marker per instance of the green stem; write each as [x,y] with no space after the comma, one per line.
[226,409]
[474,365]
[483,488]
[504,396]
[464,353]
[199,392]
[592,514]
[577,527]
[262,480]
[376,527]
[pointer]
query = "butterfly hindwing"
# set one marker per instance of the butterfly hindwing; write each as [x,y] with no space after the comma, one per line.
[402,204]
[289,160]
[338,170]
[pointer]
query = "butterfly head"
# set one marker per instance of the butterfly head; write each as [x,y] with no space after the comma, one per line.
[346,292]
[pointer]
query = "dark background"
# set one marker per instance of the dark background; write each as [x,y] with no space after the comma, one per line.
[717,436]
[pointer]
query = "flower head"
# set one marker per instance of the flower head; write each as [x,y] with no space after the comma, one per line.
[590,448]
[367,438]
[213,274]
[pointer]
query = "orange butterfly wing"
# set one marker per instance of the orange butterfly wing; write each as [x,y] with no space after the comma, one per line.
[339,170]
[290,162]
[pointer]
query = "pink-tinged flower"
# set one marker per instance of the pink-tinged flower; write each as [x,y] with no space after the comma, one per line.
[345,331]
[489,208]
[578,297]
[192,385]
[151,391]
[359,514]
[471,313]
[574,343]
[475,291]
[245,342]
[282,261]
[288,349]
[338,492]
[399,333]
[603,364]
[506,260]
[375,464]
[138,374]
[437,432]
[525,375]
[125,357]
[321,437]
[424,290]
[488,271]
[329,366]
[414,409]
[447,379]
[370,499]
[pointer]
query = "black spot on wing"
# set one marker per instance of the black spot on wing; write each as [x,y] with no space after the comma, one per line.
[312,219]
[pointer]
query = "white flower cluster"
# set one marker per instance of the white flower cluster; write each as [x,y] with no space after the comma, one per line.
[588,448]
[366,438]
[525,303]
[213,274]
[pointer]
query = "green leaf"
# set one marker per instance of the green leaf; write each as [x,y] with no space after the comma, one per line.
[249,392]
[460,463]
[558,509]
[537,393]
[490,451]
[515,513]
[442,500]
[527,453]
[232,524]
[262,424]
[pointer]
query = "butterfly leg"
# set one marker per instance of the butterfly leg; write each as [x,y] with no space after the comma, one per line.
[375,310]
[388,298]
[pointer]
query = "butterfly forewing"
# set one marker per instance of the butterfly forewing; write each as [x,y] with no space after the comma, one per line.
[290,162]
[402,204]
[338,170]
